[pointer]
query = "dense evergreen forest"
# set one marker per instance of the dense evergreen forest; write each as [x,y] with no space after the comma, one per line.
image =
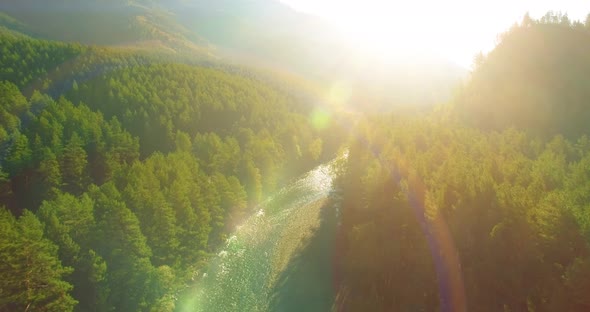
[120,172]
[483,205]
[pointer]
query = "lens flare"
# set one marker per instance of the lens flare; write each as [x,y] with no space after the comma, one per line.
[320,118]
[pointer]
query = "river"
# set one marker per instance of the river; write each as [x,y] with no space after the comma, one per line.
[279,259]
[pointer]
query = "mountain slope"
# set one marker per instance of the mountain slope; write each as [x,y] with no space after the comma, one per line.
[535,79]
[134,168]
[103,23]
[261,33]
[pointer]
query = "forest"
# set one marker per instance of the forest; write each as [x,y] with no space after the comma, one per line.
[121,172]
[482,204]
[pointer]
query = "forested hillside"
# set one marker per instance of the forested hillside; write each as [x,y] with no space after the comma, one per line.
[120,172]
[536,79]
[123,170]
[483,204]
[136,23]
[261,33]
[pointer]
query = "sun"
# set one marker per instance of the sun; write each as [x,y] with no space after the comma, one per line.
[386,37]
[398,30]
[454,30]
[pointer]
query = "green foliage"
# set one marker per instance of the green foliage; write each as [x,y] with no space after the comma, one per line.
[156,101]
[24,60]
[19,155]
[73,165]
[138,168]
[30,271]
[119,239]
[70,223]
[12,105]
[141,23]
[516,210]
[534,80]
[10,23]
[510,205]
[64,147]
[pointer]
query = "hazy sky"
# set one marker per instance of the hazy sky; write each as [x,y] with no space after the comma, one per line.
[453,29]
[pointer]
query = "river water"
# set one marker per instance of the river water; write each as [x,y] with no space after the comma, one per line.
[279,259]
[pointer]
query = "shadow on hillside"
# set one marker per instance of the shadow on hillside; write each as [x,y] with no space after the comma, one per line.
[306,283]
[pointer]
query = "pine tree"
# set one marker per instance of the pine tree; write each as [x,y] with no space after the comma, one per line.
[183,142]
[30,271]
[50,175]
[5,189]
[120,242]
[69,222]
[20,154]
[73,165]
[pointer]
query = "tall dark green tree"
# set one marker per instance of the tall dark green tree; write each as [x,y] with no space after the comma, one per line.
[73,165]
[69,222]
[20,154]
[31,275]
[119,240]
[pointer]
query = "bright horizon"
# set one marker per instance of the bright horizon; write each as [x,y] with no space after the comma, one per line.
[455,30]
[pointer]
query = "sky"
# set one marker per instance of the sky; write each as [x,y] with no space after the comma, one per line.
[455,30]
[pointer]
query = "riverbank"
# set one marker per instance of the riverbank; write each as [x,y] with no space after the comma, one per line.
[295,237]
[303,261]
[279,259]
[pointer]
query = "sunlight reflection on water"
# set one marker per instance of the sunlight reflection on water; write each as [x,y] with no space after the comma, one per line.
[238,278]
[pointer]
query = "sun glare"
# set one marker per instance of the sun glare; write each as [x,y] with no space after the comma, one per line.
[379,29]
[455,30]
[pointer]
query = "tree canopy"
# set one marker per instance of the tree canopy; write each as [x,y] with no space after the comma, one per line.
[483,203]
[121,172]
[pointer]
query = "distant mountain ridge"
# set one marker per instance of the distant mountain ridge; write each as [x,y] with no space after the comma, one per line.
[263,33]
